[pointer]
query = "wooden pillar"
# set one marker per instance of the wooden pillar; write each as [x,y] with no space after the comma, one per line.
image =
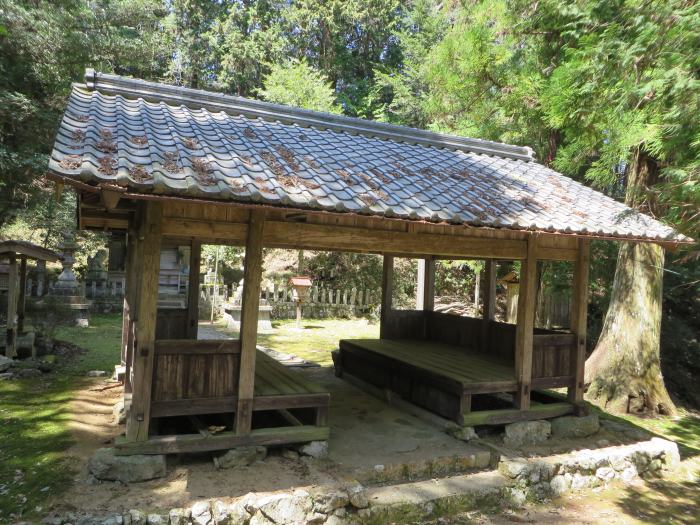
[425,289]
[146,309]
[525,325]
[131,295]
[22,299]
[429,284]
[489,312]
[250,302]
[579,318]
[387,293]
[193,289]
[489,300]
[12,296]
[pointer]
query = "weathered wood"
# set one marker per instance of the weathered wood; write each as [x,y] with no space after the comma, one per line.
[193,289]
[12,297]
[21,297]
[185,407]
[489,312]
[525,325]
[187,443]
[250,302]
[204,346]
[512,415]
[137,428]
[429,284]
[131,294]
[387,293]
[26,249]
[579,318]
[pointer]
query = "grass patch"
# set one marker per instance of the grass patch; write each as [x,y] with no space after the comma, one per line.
[34,416]
[315,341]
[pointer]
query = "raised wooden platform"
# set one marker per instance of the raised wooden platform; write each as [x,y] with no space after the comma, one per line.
[199,378]
[437,376]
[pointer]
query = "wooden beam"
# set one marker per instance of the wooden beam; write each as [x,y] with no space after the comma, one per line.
[193,346]
[144,349]
[193,289]
[489,312]
[311,236]
[12,297]
[225,232]
[579,318]
[525,325]
[197,443]
[21,297]
[353,239]
[387,293]
[511,415]
[250,303]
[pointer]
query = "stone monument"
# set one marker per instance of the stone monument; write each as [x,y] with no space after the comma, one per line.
[232,312]
[66,287]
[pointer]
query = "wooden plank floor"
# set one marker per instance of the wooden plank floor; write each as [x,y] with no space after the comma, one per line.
[450,361]
[275,379]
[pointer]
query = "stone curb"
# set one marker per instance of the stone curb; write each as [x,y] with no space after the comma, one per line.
[515,480]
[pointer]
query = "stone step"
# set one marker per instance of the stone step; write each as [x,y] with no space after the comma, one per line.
[417,501]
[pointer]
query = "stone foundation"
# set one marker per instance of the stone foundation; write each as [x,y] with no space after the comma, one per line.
[515,480]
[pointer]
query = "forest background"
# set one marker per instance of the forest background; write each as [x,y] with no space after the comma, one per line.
[605,91]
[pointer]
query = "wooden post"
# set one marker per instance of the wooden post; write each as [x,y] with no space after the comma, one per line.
[489,297]
[425,290]
[131,299]
[429,285]
[12,296]
[21,300]
[387,293]
[193,289]
[138,422]
[579,317]
[250,302]
[525,325]
[489,312]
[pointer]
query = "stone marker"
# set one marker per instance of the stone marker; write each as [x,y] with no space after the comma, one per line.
[574,427]
[527,433]
[107,466]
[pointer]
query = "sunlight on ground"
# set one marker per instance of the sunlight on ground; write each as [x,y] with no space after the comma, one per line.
[34,417]
[316,340]
[35,413]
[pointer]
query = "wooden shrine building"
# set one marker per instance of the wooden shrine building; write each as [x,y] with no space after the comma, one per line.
[174,166]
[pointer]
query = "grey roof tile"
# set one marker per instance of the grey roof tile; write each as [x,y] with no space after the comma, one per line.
[193,149]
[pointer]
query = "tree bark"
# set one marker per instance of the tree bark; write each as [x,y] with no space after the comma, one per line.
[624,370]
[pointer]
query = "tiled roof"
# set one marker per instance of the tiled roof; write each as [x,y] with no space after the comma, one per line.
[162,139]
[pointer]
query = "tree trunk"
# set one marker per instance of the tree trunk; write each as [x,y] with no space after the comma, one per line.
[624,371]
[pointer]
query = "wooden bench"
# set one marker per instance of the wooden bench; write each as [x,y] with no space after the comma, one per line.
[436,376]
[201,377]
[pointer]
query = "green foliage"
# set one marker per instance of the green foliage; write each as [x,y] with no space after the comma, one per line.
[297,84]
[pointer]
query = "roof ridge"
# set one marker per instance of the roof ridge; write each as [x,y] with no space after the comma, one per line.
[154,91]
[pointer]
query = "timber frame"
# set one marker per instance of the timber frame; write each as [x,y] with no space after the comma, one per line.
[17,253]
[153,220]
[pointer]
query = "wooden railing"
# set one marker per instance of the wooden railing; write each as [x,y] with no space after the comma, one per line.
[195,377]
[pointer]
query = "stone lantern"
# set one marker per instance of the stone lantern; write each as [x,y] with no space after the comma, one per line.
[301,286]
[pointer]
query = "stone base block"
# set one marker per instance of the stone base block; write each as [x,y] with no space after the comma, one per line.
[105,465]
